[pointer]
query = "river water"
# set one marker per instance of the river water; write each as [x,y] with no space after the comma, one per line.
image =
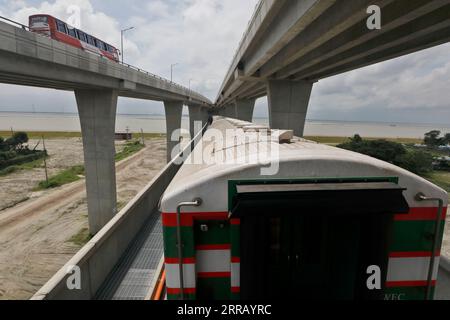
[156,124]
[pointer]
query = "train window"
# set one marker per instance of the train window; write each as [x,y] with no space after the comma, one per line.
[110,49]
[72,31]
[81,36]
[61,26]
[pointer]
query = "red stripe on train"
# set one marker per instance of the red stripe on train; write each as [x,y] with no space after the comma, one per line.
[226,246]
[417,214]
[187,219]
[413,254]
[178,290]
[394,284]
[176,260]
[214,275]
[235,290]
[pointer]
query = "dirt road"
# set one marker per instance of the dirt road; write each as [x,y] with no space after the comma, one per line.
[39,235]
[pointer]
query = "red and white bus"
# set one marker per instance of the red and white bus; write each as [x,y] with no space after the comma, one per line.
[58,30]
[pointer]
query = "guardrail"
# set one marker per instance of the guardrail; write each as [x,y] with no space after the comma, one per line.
[189,91]
[250,23]
[99,256]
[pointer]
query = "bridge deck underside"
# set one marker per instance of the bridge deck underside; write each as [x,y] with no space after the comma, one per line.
[131,278]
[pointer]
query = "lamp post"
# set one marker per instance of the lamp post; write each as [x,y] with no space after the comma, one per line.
[190,80]
[121,38]
[171,71]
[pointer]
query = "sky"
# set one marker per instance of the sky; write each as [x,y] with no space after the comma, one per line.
[201,36]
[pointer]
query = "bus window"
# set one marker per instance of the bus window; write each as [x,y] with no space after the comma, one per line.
[110,49]
[72,32]
[39,21]
[61,26]
[91,40]
[81,36]
[101,45]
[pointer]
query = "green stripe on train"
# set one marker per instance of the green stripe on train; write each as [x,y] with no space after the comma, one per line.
[235,236]
[211,232]
[170,242]
[214,288]
[411,236]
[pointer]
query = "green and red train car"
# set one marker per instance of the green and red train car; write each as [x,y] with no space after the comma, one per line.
[323,226]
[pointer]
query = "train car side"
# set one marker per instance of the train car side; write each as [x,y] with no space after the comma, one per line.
[311,231]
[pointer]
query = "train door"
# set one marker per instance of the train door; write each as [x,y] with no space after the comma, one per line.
[314,245]
[304,257]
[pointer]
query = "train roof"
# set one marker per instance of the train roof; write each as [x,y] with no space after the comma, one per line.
[297,159]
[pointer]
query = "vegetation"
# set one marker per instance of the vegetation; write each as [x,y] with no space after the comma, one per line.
[67,176]
[339,140]
[130,148]
[417,161]
[14,152]
[81,238]
[440,178]
[433,139]
[26,166]
[74,173]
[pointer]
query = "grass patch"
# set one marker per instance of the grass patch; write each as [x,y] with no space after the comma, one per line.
[328,140]
[81,238]
[130,148]
[73,174]
[26,166]
[67,176]
[440,178]
[340,140]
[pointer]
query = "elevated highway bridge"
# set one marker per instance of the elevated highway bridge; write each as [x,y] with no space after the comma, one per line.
[290,45]
[30,59]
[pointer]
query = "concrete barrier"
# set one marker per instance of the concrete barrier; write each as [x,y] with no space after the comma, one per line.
[99,256]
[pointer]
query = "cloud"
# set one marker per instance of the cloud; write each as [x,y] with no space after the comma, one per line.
[202,36]
[417,81]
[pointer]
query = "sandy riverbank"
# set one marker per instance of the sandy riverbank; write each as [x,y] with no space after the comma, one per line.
[39,235]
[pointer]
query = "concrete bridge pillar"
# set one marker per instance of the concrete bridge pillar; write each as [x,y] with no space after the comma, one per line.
[198,117]
[288,104]
[244,109]
[174,110]
[230,110]
[97,110]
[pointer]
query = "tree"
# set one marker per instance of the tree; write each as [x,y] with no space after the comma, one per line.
[446,138]
[432,138]
[17,140]
[356,139]
[380,149]
[418,162]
